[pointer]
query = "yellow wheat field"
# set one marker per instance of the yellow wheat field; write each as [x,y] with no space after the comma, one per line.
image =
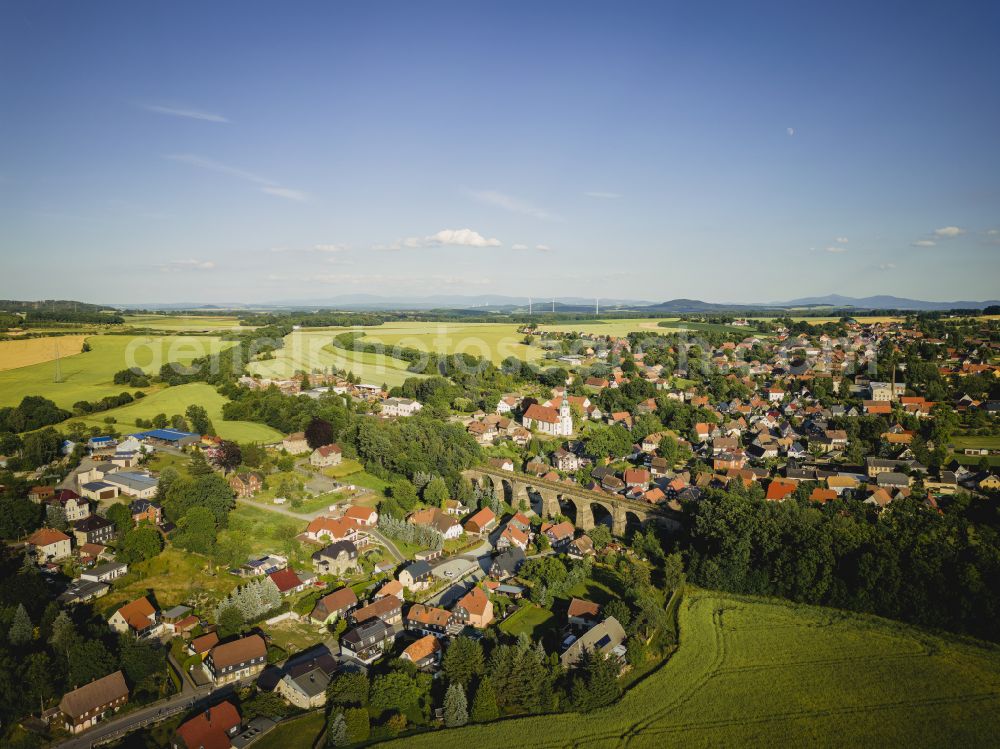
[14,354]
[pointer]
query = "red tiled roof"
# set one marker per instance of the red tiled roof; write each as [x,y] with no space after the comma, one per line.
[209,729]
[285,579]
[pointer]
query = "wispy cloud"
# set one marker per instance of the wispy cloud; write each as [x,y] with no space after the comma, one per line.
[509,203]
[543,248]
[925,243]
[191,114]
[331,247]
[887,266]
[444,238]
[267,186]
[176,266]
[949,232]
[835,249]
[842,240]
[599,194]
[519,246]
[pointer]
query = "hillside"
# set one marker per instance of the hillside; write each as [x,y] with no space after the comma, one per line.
[752,671]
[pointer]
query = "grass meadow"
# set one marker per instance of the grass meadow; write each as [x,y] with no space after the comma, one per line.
[759,672]
[90,376]
[187,323]
[174,400]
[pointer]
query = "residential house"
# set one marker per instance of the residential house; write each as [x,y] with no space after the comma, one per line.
[202,645]
[295,443]
[336,559]
[566,461]
[287,581]
[388,608]
[74,506]
[423,653]
[145,511]
[437,519]
[507,563]
[474,608]
[105,573]
[85,707]
[365,517]
[368,641]
[94,529]
[513,536]
[326,456]
[332,605]
[49,545]
[239,659]
[332,529]
[400,407]
[304,683]
[416,575]
[427,619]
[559,534]
[139,617]
[583,614]
[39,494]
[391,588]
[580,547]
[245,484]
[606,638]
[210,729]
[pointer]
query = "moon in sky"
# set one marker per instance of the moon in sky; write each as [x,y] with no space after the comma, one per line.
[790,130]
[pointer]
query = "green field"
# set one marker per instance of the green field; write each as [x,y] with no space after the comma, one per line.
[758,672]
[989,442]
[174,400]
[310,350]
[613,327]
[90,376]
[184,322]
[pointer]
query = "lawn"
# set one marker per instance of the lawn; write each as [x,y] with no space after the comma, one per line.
[759,672]
[175,400]
[175,576]
[28,351]
[265,531]
[531,620]
[345,468]
[292,636]
[90,376]
[186,323]
[990,442]
[298,732]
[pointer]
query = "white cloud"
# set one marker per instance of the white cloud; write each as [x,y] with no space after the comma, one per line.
[330,247]
[992,232]
[841,240]
[509,203]
[184,265]
[887,266]
[835,249]
[287,193]
[599,194]
[925,243]
[543,248]
[519,246]
[949,232]
[191,114]
[268,186]
[444,238]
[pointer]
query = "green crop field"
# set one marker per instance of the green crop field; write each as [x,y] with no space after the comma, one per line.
[309,350]
[90,376]
[759,672]
[989,442]
[184,322]
[175,400]
[612,327]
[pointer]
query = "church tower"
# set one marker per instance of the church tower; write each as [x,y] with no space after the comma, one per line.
[565,417]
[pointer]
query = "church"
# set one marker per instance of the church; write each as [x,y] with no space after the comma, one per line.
[547,420]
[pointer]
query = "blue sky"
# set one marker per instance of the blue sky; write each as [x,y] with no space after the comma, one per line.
[725,151]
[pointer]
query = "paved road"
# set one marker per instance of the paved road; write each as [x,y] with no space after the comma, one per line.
[306,517]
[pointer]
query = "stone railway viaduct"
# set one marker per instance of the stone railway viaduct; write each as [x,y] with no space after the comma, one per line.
[555,497]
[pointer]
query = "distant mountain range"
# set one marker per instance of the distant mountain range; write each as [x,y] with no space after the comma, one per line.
[508,304]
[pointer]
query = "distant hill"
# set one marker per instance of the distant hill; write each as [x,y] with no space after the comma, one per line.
[884,302]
